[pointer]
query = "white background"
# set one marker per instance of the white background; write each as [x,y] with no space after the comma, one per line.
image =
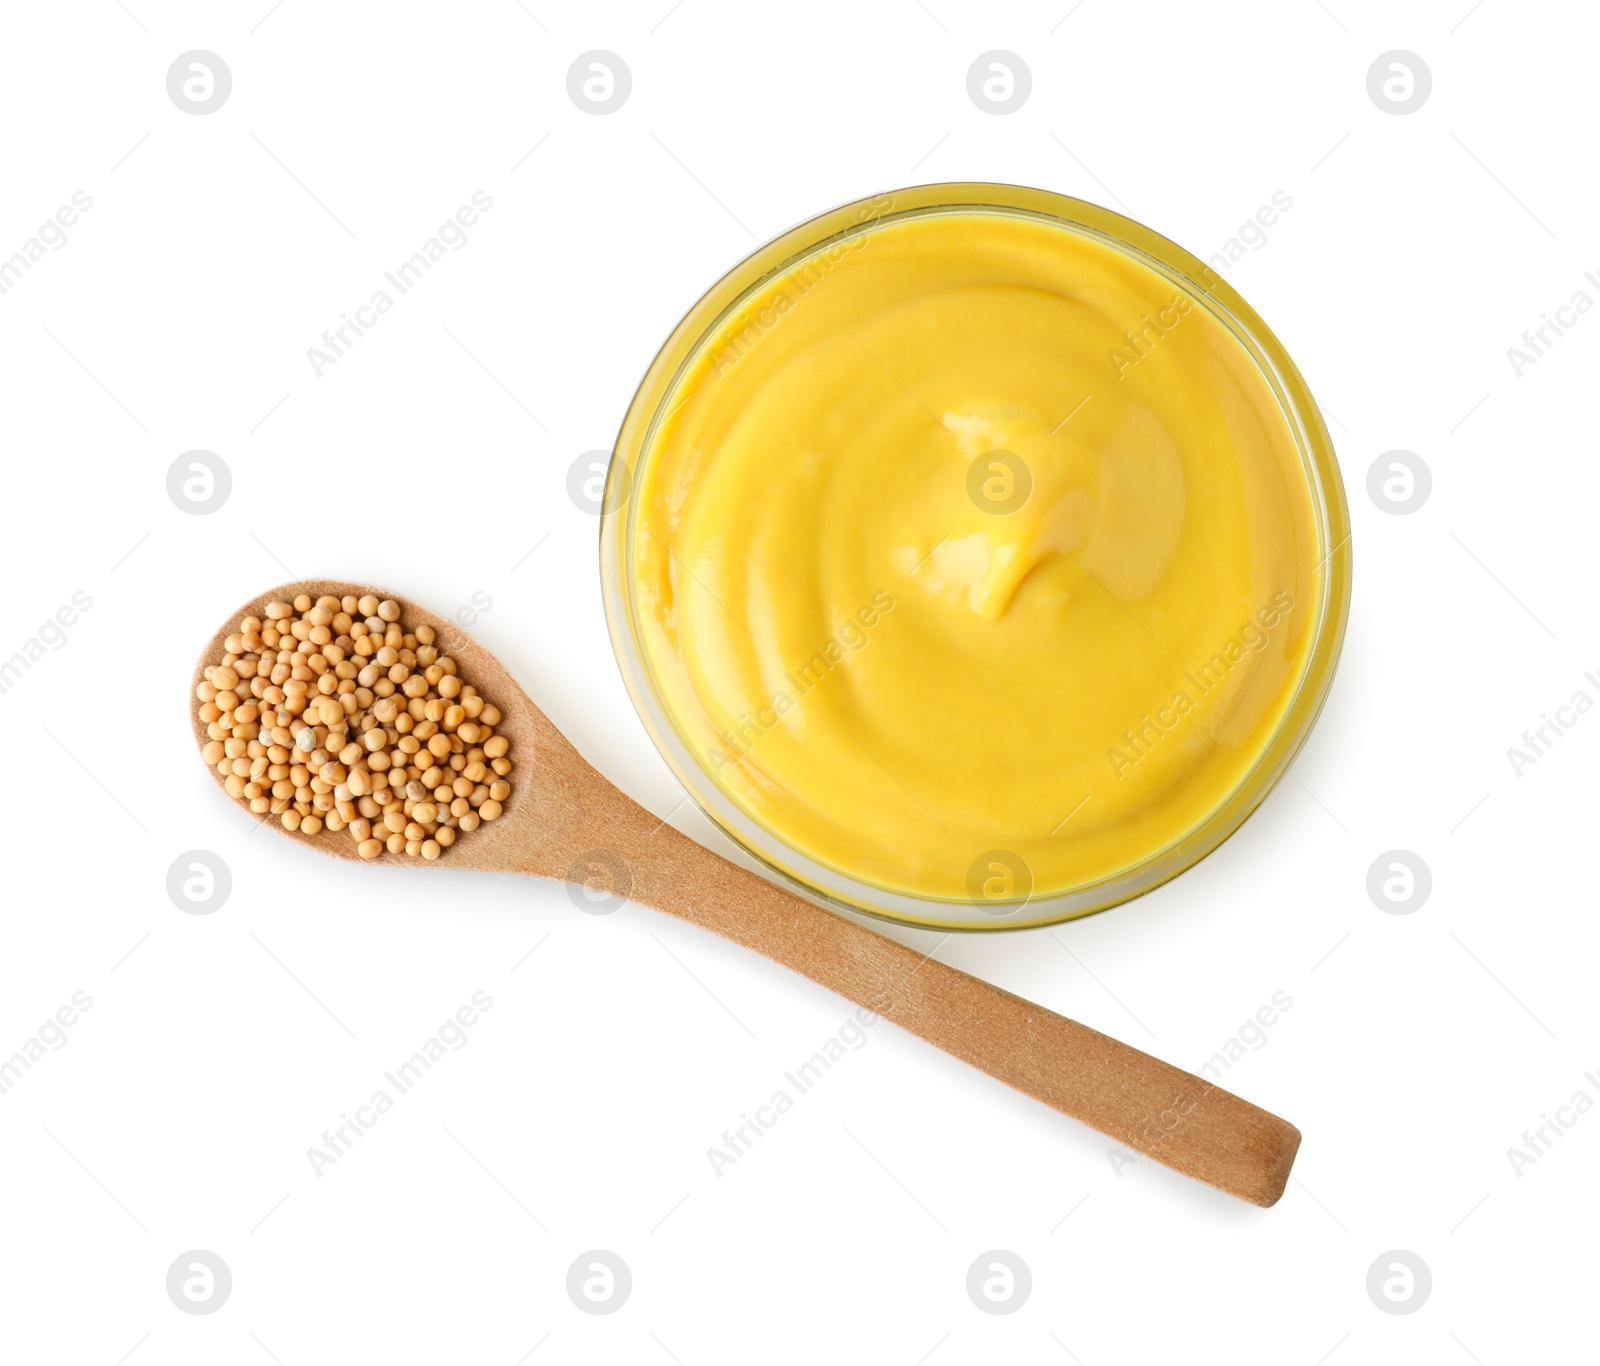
[433,457]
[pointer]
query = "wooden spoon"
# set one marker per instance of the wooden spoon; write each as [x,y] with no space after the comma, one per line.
[564,820]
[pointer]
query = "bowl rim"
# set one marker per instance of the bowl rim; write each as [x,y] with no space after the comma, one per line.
[783,862]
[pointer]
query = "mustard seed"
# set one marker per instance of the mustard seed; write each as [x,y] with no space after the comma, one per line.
[334,715]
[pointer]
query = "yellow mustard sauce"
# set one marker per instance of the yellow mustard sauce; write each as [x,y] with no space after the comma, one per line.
[975,534]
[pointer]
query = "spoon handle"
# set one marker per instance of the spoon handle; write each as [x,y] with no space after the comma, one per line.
[1180,1120]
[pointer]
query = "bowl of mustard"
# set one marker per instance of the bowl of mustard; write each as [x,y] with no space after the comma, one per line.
[975,556]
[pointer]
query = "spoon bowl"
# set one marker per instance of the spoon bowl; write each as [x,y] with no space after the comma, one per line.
[487,847]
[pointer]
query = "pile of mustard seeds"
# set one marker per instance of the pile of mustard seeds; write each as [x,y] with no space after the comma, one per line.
[331,715]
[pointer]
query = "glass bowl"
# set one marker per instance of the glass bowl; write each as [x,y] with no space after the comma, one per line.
[843,228]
